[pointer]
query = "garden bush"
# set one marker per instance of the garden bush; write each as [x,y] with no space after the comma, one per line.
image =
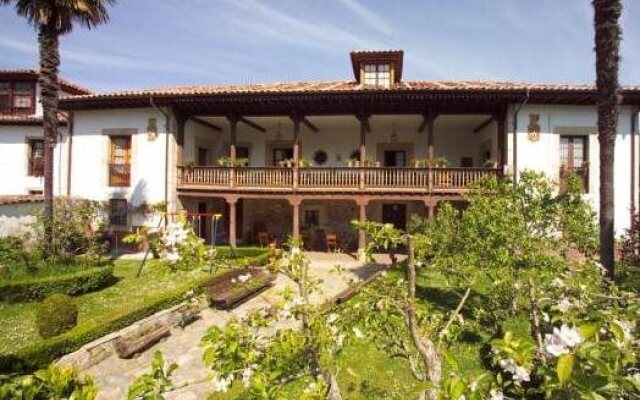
[57,314]
[631,243]
[75,283]
[51,383]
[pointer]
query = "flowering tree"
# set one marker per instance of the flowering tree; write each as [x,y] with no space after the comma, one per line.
[268,348]
[516,239]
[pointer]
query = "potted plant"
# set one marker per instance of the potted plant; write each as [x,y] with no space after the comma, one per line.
[189,164]
[371,163]
[489,163]
[304,163]
[353,162]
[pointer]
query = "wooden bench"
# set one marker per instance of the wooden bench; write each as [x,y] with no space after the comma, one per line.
[227,290]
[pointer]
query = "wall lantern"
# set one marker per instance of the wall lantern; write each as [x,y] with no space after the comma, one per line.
[152,129]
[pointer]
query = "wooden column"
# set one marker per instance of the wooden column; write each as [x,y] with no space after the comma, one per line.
[364,127]
[295,203]
[181,121]
[502,139]
[233,128]
[362,216]
[232,201]
[429,119]
[296,118]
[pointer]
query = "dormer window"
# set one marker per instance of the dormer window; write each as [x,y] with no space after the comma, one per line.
[17,97]
[377,75]
[377,69]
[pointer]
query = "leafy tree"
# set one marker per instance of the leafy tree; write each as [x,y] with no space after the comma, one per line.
[607,45]
[52,19]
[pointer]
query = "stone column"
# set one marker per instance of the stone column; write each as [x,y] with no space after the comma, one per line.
[232,201]
[295,203]
[362,237]
[502,139]
[429,120]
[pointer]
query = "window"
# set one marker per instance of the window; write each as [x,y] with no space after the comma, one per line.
[242,152]
[120,161]
[377,75]
[36,157]
[17,97]
[574,159]
[118,212]
[311,218]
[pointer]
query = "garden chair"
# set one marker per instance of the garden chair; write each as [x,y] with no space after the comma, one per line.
[331,241]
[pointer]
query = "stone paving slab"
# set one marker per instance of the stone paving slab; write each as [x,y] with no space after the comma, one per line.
[114,375]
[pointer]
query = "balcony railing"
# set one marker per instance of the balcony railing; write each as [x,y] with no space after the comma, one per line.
[119,175]
[333,179]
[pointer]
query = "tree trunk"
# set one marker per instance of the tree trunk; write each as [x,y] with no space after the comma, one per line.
[426,348]
[607,43]
[49,92]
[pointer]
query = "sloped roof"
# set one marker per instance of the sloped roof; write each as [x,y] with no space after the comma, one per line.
[341,86]
[32,75]
[21,199]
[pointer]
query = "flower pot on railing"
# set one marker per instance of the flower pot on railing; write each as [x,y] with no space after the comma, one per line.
[353,163]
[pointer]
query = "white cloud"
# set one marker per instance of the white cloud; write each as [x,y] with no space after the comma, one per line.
[373,20]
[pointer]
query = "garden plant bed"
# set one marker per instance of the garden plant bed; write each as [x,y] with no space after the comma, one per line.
[227,290]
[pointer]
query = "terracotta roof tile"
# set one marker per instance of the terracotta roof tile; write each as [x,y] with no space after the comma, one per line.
[65,84]
[337,86]
[21,199]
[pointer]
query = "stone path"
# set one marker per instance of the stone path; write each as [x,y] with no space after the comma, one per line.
[114,375]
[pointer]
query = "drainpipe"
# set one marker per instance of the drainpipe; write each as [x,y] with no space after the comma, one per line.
[69,150]
[634,128]
[166,153]
[515,135]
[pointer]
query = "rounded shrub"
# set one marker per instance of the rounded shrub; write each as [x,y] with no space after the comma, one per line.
[55,315]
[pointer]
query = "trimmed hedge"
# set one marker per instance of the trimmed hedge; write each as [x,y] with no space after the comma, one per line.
[56,314]
[39,355]
[72,284]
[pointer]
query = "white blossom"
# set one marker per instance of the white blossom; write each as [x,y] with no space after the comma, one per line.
[561,340]
[565,305]
[247,373]
[221,384]
[244,278]
[627,328]
[521,374]
[358,333]
[172,256]
[496,395]
[333,317]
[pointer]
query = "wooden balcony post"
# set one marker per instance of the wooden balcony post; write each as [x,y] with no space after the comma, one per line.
[502,138]
[362,237]
[295,203]
[429,119]
[364,127]
[296,118]
[232,201]
[181,121]
[233,127]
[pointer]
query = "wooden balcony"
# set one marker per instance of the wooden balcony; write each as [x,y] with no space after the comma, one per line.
[331,179]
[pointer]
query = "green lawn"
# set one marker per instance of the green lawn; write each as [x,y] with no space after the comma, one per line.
[104,311]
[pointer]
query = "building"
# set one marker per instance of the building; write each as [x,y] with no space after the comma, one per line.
[305,158]
[21,133]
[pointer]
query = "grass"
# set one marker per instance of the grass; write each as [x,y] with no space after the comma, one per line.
[97,310]
[43,269]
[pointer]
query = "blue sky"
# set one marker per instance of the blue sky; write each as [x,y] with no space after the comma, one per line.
[152,43]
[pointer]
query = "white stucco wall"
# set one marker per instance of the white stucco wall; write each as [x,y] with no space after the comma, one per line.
[90,156]
[544,155]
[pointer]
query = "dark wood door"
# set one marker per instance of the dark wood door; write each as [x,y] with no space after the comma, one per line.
[395,158]
[281,154]
[203,155]
[202,221]
[466,162]
[395,214]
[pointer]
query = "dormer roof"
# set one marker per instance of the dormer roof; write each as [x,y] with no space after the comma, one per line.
[393,57]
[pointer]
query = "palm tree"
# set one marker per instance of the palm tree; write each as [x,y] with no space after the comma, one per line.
[607,44]
[52,19]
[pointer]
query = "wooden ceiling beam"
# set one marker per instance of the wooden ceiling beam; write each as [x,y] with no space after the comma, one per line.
[252,124]
[310,125]
[206,123]
[484,124]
